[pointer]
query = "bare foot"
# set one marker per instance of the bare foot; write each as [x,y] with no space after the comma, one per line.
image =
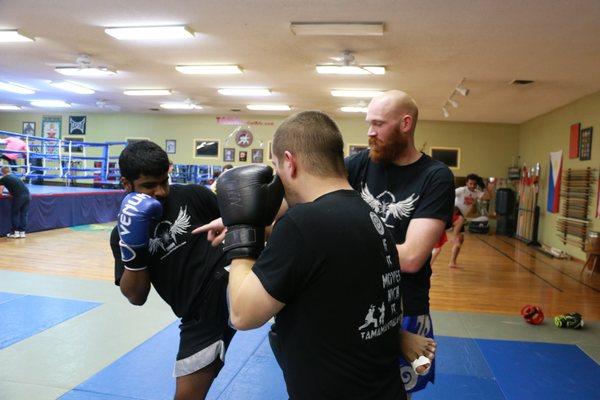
[412,346]
[453,265]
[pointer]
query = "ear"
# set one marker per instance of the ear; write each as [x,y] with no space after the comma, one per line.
[127,184]
[290,163]
[406,123]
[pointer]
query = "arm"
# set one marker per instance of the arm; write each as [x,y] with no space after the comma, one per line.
[250,305]
[421,236]
[135,285]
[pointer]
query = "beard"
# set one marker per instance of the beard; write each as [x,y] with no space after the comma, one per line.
[389,150]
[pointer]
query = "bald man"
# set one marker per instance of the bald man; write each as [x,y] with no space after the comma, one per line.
[414,196]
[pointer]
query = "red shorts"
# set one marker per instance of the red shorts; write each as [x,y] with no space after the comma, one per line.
[440,243]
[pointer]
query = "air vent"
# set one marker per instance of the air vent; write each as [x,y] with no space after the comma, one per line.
[235,110]
[521,82]
[154,109]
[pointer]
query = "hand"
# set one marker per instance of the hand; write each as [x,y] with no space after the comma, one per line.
[137,215]
[248,197]
[215,231]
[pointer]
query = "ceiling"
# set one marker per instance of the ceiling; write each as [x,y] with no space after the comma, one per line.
[427,47]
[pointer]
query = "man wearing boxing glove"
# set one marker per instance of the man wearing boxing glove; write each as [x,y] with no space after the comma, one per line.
[152,246]
[329,272]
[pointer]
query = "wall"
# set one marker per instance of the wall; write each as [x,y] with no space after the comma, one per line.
[487,149]
[550,132]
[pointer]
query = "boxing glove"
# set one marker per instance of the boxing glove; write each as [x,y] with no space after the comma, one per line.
[249,198]
[138,214]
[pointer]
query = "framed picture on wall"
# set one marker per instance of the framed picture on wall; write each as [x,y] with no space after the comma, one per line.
[28,128]
[229,154]
[51,129]
[243,157]
[77,125]
[448,155]
[257,156]
[73,141]
[355,148]
[171,146]
[585,144]
[206,148]
[135,139]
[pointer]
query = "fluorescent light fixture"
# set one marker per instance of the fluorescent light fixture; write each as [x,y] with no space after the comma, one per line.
[150,32]
[147,92]
[350,70]
[86,72]
[14,36]
[337,28]
[209,69]
[453,103]
[50,103]
[354,109]
[268,107]
[9,107]
[180,106]
[356,93]
[446,113]
[72,87]
[245,91]
[11,87]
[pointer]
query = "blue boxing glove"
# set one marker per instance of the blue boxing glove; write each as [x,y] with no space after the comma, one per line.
[137,216]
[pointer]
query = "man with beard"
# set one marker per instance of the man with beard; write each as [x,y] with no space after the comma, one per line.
[414,196]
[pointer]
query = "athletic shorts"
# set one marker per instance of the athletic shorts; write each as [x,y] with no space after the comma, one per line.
[456,215]
[419,324]
[442,241]
[206,336]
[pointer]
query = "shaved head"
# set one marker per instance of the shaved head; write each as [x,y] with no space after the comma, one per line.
[396,103]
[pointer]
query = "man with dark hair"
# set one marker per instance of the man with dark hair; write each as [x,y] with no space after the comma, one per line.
[464,199]
[329,272]
[413,195]
[152,245]
[20,203]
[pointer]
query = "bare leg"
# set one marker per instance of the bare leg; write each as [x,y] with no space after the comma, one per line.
[434,254]
[413,346]
[195,386]
[457,241]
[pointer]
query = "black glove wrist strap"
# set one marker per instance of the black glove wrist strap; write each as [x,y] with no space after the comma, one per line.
[242,241]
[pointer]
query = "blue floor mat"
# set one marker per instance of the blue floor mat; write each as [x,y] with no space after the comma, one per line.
[528,370]
[466,369]
[24,316]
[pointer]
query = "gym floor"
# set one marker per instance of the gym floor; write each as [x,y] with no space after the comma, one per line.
[66,331]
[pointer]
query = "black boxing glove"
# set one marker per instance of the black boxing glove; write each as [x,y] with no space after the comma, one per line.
[249,198]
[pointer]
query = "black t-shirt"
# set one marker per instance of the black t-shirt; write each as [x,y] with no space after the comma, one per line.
[182,266]
[398,194]
[15,186]
[334,265]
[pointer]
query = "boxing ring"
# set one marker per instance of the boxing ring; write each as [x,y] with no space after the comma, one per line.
[60,165]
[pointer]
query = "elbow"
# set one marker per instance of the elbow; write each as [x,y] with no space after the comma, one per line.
[240,323]
[137,299]
[411,264]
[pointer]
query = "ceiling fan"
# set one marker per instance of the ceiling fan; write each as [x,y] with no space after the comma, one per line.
[347,66]
[82,67]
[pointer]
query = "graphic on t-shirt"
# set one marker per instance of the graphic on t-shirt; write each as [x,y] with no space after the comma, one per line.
[370,319]
[375,326]
[377,222]
[386,206]
[165,234]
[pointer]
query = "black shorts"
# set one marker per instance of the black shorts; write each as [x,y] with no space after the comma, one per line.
[206,336]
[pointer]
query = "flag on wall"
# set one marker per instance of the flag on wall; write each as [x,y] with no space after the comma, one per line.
[554,177]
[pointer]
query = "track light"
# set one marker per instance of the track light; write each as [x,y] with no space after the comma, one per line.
[462,89]
[453,103]
[446,113]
